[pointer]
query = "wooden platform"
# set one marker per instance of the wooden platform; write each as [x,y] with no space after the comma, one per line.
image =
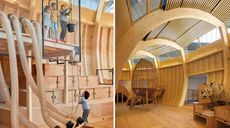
[52,48]
[159,117]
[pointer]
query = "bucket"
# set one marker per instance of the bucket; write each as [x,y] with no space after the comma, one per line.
[71,27]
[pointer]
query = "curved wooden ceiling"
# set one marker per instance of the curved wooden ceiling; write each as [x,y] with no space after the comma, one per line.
[184,31]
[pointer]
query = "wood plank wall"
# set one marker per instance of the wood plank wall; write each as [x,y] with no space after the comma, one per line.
[212,65]
[171,78]
[106,49]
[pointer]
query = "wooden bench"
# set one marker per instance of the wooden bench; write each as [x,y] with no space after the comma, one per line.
[202,111]
[208,116]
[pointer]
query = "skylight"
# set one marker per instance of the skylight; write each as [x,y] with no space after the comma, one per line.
[209,37]
[90,4]
[109,7]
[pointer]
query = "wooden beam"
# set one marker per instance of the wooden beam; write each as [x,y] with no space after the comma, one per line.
[100,11]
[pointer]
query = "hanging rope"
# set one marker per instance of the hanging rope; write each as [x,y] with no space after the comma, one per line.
[71,25]
[79,89]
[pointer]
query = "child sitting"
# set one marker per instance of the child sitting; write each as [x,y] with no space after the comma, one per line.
[85,106]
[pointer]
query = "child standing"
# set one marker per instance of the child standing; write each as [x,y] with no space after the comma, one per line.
[47,21]
[85,106]
[64,12]
[54,21]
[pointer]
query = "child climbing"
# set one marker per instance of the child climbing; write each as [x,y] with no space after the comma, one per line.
[47,21]
[54,21]
[64,12]
[85,106]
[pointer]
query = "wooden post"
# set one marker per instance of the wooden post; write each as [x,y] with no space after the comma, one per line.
[66,80]
[147,99]
[122,93]
[28,89]
[117,98]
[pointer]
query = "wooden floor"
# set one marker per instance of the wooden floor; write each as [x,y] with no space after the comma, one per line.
[159,117]
[107,123]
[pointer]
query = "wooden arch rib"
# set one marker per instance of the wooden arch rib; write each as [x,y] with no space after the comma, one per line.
[148,54]
[170,43]
[126,44]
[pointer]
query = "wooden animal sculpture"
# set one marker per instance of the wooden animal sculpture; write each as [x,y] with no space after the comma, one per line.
[215,92]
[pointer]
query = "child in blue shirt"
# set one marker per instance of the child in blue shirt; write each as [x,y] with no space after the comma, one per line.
[85,106]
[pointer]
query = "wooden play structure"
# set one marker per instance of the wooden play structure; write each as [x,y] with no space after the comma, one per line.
[183,40]
[41,80]
[144,83]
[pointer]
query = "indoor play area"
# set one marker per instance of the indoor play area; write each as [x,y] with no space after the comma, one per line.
[172,64]
[56,63]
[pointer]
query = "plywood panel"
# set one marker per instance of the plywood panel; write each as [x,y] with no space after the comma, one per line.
[101,93]
[216,77]
[171,78]
[74,70]
[89,44]
[82,81]
[50,70]
[92,80]
[206,64]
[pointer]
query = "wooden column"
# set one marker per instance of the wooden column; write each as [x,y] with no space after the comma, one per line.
[28,89]
[96,38]
[66,81]
[84,49]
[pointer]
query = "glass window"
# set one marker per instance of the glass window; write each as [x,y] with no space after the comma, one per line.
[138,8]
[154,4]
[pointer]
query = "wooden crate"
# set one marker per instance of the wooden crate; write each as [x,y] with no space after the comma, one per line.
[58,97]
[50,82]
[55,96]
[199,108]
[223,113]
[73,81]
[50,96]
[60,82]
